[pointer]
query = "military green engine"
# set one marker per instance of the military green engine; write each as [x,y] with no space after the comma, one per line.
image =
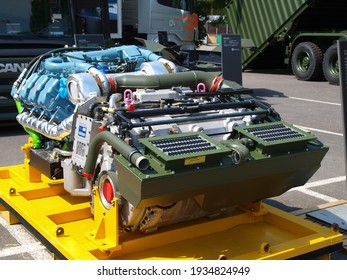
[183,154]
[171,147]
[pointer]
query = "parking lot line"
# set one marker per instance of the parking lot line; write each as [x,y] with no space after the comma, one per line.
[27,243]
[319,130]
[324,182]
[16,250]
[315,101]
[306,189]
[317,195]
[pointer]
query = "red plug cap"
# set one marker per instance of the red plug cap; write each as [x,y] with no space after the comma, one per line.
[131,107]
[101,128]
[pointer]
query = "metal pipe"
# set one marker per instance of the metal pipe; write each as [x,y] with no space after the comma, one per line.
[47,129]
[114,98]
[62,152]
[192,109]
[223,93]
[132,154]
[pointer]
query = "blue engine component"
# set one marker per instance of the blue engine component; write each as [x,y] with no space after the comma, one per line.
[41,93]
[45,94]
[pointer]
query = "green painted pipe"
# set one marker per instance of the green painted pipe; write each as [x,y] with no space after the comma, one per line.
[132,154]
[239,152]
[37,143]
[186,79]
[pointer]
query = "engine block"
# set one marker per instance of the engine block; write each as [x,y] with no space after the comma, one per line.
[167,146]
[66,79]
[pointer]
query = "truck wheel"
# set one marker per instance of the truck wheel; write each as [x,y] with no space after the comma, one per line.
[331,65]
[307,61]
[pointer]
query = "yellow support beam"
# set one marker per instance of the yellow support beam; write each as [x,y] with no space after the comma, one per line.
[252,231]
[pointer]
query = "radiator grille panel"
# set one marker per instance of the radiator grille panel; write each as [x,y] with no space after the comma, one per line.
[184,150]
[278,137]
[183,145]
[272,133]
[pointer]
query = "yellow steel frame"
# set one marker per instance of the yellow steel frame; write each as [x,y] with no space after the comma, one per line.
[253,231]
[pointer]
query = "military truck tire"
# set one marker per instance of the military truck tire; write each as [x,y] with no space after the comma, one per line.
[331,65]
[307,59]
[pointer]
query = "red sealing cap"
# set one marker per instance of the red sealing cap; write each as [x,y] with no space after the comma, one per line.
[131,107]
[101,128]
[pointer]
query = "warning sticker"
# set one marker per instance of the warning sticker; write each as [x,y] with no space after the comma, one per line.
[194,160]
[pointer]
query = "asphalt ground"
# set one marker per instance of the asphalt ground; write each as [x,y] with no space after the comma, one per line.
[314,106]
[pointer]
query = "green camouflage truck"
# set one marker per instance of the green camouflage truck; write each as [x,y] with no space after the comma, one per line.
[300,33]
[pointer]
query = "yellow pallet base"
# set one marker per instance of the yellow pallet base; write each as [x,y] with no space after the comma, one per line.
[69,229]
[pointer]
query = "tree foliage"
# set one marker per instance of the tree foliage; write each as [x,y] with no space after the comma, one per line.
[204,8]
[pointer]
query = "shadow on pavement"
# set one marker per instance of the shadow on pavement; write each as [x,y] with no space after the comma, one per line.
[279,205]
[263,93]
